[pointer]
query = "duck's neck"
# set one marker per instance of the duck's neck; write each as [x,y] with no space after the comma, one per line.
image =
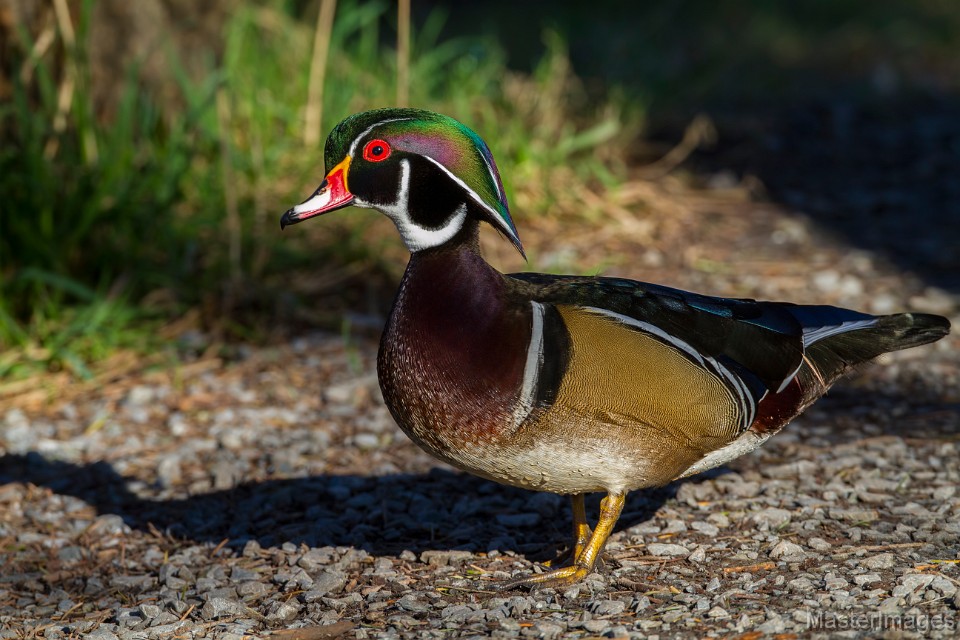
[455,345]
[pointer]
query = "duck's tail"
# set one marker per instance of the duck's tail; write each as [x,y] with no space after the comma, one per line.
[835,353]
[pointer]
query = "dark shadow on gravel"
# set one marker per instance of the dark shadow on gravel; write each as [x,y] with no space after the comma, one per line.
[880,176]
[439,510]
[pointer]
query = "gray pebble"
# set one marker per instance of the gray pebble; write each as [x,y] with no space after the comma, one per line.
[442,558]
[879,561]
[219,607]
[787,550]
[596,626]
[890,606]
[698,555]
[866,578]
[608,607]
[910,583]
[328,582]
[943,586]
[706,528]
[149,611]
[771,517]
[675,615]
[802,585]
[284,612]
[409,602]
[163,618]
[667,549]
[456,613]
[819,544]
[70,554]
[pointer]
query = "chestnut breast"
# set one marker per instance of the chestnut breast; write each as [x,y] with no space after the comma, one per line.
[452,355]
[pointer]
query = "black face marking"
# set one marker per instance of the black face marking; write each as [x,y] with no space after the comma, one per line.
[434,196]
[376,184]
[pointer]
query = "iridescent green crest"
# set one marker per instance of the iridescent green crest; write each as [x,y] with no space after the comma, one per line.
[453,146]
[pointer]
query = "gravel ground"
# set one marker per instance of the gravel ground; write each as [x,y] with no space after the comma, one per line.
[266,491]
[275,493]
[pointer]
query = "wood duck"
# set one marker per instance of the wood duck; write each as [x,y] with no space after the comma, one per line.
[561,383]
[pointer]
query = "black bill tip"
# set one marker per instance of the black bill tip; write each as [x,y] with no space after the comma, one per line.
[288,218]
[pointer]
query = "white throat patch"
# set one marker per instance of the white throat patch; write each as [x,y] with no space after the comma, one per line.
[414,236]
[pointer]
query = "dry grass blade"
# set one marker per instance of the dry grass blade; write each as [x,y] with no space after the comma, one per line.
[39,49]
[324,632]
[67,84]
[403,53]
[234,229]
[762,566]
[701,131]
[318,69]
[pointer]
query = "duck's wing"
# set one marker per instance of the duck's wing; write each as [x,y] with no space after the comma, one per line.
[713,376]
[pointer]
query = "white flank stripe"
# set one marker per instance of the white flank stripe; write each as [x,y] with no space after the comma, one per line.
[748,409]
[744,444]
[815,334]
[531,371]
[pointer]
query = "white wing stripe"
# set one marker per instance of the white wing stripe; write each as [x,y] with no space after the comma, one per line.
[748,408]
[815,334]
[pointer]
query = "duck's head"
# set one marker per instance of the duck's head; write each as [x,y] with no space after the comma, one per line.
[427,172]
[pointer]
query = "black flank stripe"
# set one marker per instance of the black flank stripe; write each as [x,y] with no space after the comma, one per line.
[556,357]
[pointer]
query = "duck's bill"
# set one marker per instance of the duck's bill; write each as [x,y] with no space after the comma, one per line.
[332,194]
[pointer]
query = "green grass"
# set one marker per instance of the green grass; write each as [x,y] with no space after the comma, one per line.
[102,220]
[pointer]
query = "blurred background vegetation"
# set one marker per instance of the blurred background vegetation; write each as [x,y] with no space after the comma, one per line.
[147,149]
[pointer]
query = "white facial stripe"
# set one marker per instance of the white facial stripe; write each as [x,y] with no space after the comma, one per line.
[318,201]
[743,396]
[531,370]
[356,141]
[473,194]
[493,177]
[415,236]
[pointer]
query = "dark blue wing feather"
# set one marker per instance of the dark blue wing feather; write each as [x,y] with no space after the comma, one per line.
[764,341]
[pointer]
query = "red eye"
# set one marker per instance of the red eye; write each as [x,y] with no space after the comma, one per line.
[376,151]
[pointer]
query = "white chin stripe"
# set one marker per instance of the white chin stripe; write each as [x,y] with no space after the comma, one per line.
[414,236]
[417,238]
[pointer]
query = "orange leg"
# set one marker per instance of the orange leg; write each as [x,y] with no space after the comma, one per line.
[585,555]
[581,532]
